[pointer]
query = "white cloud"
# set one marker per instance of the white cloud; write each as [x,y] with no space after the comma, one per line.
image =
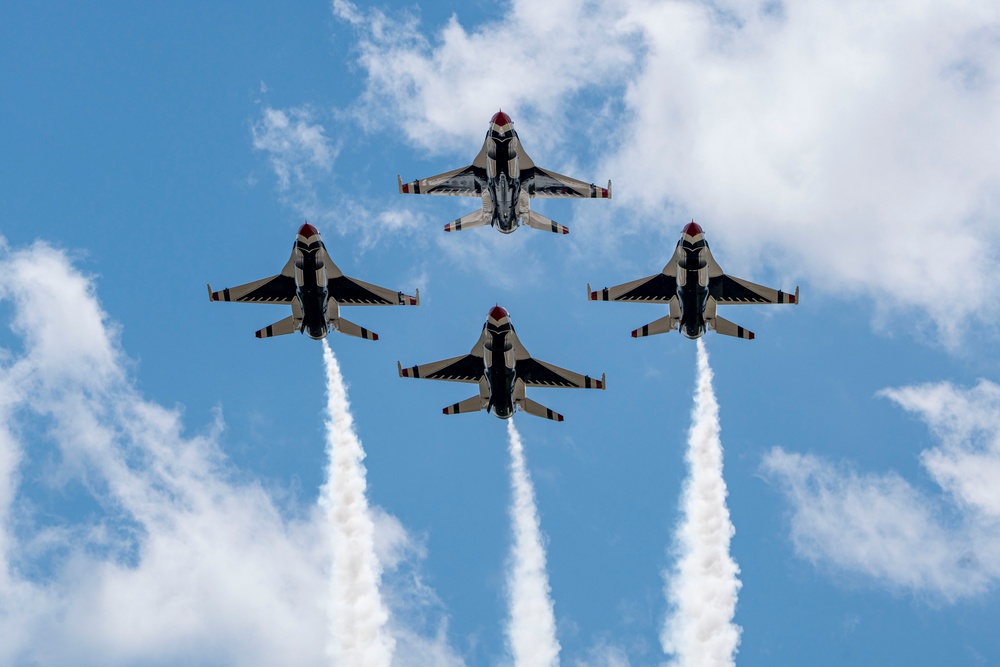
[181,564]
[881,526]
[848,146]
[442,91]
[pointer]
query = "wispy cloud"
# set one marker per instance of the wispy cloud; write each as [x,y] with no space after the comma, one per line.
[299,152]
[182,562]
[885,528]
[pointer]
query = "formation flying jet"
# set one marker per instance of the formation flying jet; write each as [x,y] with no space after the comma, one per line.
[315,288]
[506,178]
[502,368]
[693,284]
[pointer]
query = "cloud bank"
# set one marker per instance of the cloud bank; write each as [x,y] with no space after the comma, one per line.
[174,561]
[852,148]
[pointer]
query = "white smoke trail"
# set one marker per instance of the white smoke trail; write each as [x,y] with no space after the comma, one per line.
[703,585]
[531,631]
[359,634]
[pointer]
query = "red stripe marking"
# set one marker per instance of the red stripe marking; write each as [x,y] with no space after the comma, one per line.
[406,188]
[791,298]
[635,334]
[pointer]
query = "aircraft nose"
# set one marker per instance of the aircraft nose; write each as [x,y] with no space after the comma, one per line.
[500,119]
[307,231]
[497,313]
[692,229]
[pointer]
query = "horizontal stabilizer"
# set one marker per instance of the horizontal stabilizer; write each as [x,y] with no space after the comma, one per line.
[352,329]
[474,404]
[662,325]
[538,221]
[279,328]
[727,328]
[539,410]
[478,218]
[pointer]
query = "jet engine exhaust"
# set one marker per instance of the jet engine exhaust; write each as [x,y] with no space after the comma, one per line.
[531,631]
[702,586]
[359,636]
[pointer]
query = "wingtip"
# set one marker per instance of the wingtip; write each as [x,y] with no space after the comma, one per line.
[399,183]
[418,297]
[796,295]
[209,286]
[609,188]
[604,382]
[635,333]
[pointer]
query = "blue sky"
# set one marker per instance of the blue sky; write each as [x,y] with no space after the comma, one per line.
[160,466]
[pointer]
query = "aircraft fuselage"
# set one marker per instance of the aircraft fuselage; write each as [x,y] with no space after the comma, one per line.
[692,285]
[498,357]
[503,173]
[311,286]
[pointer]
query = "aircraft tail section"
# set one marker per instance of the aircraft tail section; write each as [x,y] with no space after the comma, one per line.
[538,221]
[474,404]
[662,325]
[479,218]
[539,410]
[727,328]
[352,329]
[279,328]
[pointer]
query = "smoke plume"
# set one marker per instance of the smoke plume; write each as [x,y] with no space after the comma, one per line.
[702,587]
[359,634]
[532,628]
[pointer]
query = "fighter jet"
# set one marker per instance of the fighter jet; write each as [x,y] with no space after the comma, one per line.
[502,368]
[693,284]
[505,177]
[315,288]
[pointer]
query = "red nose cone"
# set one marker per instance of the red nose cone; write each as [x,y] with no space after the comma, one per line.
[500,118]
[498,313]
[307,231]
[692,229]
